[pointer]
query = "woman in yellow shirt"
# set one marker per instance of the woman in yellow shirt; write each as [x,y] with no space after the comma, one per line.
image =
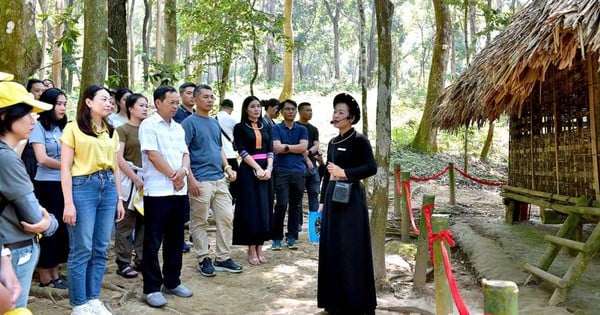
[89,177]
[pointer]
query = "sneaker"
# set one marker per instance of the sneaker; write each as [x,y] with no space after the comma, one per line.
[154,299]
[186,247]
[291,243]
[276,245]
[98,307]
[180,291]
[228,265]
[206,268]
[83,309]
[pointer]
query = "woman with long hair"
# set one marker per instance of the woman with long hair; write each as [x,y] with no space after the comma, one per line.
[89,177]
[130,163]
[252,219]
[46,146]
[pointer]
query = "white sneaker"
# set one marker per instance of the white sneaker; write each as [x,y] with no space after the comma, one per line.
[83,309]
[98,307]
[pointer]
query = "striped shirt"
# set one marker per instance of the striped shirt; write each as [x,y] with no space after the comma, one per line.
[169,141]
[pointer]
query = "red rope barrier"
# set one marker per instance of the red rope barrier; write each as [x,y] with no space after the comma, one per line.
[409,206]
[444,236]
[424,179]
[481,181]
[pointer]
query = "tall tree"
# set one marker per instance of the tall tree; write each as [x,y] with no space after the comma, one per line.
[159,30]
[44,35]
[425,139]
[170,32]
[372,55]
[362,69]
[95,43]
[21,50]
[118,69]
[334,9]
[288,55]
[131,39]
[146,41]
[384,12]
[57,51]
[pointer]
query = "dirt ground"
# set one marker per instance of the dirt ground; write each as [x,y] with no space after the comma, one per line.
[287,283]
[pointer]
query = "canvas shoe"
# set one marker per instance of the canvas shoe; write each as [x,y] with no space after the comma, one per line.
[98,307]
[291,243]
[228,265]
[154,299]
[83,309]
[276,245]
[206,268]
[180,291]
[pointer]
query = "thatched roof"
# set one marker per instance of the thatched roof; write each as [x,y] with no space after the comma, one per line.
[501,77]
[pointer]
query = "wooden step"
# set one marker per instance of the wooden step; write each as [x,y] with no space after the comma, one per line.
[556,281]
[580,246]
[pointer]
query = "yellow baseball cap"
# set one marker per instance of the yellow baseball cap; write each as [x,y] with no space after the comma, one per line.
[13,93]
[6,76]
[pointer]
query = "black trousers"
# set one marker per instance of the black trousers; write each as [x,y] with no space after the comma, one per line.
[163,219]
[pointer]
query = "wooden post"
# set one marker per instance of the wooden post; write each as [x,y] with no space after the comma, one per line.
[500,297]
[452,182]
[422,258]
[397,197]
[405,223]
[443,296]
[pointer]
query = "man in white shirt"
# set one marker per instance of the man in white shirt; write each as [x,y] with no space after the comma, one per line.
[166,163]
[227,122]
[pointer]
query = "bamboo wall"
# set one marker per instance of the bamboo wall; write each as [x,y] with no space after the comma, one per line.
[550,146]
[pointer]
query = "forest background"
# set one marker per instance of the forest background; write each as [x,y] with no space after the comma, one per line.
[396,55]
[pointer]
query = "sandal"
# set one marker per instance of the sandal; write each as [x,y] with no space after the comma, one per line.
[55,284]
[127,271]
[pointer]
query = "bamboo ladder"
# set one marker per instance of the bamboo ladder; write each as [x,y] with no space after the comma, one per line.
[563,238]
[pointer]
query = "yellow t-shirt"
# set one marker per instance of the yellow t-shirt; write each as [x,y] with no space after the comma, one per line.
[91,154]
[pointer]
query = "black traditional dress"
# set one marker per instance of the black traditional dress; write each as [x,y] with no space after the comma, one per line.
[254,205]
[346,283]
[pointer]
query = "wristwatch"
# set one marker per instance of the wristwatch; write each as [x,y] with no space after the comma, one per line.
[286,148]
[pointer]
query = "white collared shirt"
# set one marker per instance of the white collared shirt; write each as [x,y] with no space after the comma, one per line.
[169,141]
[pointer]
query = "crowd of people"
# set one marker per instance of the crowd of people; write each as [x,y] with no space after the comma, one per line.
[118,170]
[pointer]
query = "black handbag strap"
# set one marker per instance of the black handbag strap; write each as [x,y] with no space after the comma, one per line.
[223,132]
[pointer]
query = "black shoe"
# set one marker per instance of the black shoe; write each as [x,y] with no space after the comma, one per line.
[186,247]
[228,265]
[206,268]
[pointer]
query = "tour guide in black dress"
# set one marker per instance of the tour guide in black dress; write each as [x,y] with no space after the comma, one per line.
[346,283]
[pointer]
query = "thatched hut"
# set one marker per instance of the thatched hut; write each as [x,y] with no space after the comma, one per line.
[543,71]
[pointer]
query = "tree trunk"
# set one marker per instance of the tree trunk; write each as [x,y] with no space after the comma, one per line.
[335,20]
[254,60]
[118,70]
[384,11]
[226,64]
[425,139]
[95,43]
[146,41]
[130,40]
[372,52]
[57,54]
[485,151]
[170,32]
[159,30]
[288,54]
[363,66]
[45,28]
[21,50]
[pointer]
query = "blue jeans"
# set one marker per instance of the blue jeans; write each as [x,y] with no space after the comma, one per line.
[24,260]
[95,199]
[313,187]
[289,188]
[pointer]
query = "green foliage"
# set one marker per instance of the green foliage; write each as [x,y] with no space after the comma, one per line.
[163,74]
[225,28]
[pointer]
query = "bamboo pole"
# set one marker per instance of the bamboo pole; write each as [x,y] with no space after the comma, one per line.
[452,181]
[422,258]
[569,199]
[500,297]
[443,296]
[405,223]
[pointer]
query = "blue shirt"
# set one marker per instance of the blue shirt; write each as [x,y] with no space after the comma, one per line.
[182,113]
[51,140]
[203,137]
[291,162]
